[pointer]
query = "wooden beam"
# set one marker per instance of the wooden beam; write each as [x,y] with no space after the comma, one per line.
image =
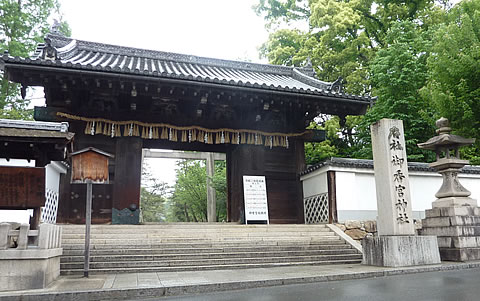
[184,155]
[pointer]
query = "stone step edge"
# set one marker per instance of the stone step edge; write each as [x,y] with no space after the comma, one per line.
[72,258]
[210,267]
[161,246]
[218,261]
[157,292]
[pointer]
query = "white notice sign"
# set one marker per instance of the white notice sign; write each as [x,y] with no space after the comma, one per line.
[255,196]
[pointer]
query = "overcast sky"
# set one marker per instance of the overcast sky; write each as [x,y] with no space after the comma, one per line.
[225,29]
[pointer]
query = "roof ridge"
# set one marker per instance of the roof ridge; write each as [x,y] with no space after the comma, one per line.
[368,163]
[173,56]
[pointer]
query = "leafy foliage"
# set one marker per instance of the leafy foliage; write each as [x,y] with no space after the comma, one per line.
[23,24]
[454,76]
[189,200]
[398,72]
[381,47]
[153,194]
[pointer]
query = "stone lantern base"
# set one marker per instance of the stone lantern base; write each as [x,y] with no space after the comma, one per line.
[457,230]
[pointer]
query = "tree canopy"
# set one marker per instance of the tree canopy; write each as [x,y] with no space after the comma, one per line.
[23,24]
[418,57]
[454,72]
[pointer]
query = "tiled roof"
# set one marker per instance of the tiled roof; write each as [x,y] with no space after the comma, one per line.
[368,164]
[34,125]
[84,55]
[34,129]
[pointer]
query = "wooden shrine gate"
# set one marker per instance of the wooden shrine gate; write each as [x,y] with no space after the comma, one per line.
[121,100]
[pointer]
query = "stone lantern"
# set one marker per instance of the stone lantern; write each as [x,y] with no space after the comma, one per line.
[449,164]
[454,217]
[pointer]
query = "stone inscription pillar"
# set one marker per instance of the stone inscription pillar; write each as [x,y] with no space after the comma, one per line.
[391,178]
[397,245]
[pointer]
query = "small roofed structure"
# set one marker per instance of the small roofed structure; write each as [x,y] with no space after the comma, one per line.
[34,140]
[24,187]
[90,164]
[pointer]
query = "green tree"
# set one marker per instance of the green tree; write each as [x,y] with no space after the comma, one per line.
[343,35]
[23,24]
[454,76]
[398,72]
[352,39]
[153,196]
[189,200]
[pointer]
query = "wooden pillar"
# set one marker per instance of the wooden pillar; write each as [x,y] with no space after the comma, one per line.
[40,161]
[211,197]
[127,178]
[332,197]
[242,160]
[299,167]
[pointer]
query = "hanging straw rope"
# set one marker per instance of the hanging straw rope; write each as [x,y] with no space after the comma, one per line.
[96,126]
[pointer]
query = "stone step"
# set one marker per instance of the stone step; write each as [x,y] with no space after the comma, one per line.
[172,250]
[196,256]
[116,241]
[212,267]
[158,245]
[199,235]
[195,228]
[452,231]
[207,262]
[177,247]
[460,254]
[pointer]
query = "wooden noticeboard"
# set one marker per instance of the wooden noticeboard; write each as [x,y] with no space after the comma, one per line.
[22,187]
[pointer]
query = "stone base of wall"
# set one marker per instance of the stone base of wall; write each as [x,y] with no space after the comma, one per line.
[28,269]
[361,229]
[400,251]
[457,230]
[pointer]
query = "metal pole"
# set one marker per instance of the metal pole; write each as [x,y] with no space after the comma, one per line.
[88,222]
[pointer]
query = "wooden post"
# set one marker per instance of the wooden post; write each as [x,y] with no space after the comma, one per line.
[332,197]
[126,186]
[211,197]
[89,166]
[88,222]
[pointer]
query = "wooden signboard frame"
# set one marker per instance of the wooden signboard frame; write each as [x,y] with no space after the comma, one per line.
[22,187]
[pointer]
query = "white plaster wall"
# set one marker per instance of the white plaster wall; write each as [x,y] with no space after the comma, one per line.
[346,191]
[52,179]
[315,184]
[356,195]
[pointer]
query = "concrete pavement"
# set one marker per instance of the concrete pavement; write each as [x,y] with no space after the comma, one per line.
[154,285]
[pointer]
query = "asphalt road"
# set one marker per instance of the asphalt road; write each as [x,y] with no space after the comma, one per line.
[462,285]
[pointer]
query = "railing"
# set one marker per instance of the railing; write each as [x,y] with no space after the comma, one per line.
[47,236]
[316,209]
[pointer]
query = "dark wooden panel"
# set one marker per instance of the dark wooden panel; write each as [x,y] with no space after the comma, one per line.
[280,166]
[128,173]
[71,208]
[22,187]
[282,198]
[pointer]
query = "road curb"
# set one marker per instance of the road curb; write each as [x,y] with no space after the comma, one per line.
[155,292]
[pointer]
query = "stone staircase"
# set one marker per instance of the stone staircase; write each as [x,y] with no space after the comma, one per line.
[188,247]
